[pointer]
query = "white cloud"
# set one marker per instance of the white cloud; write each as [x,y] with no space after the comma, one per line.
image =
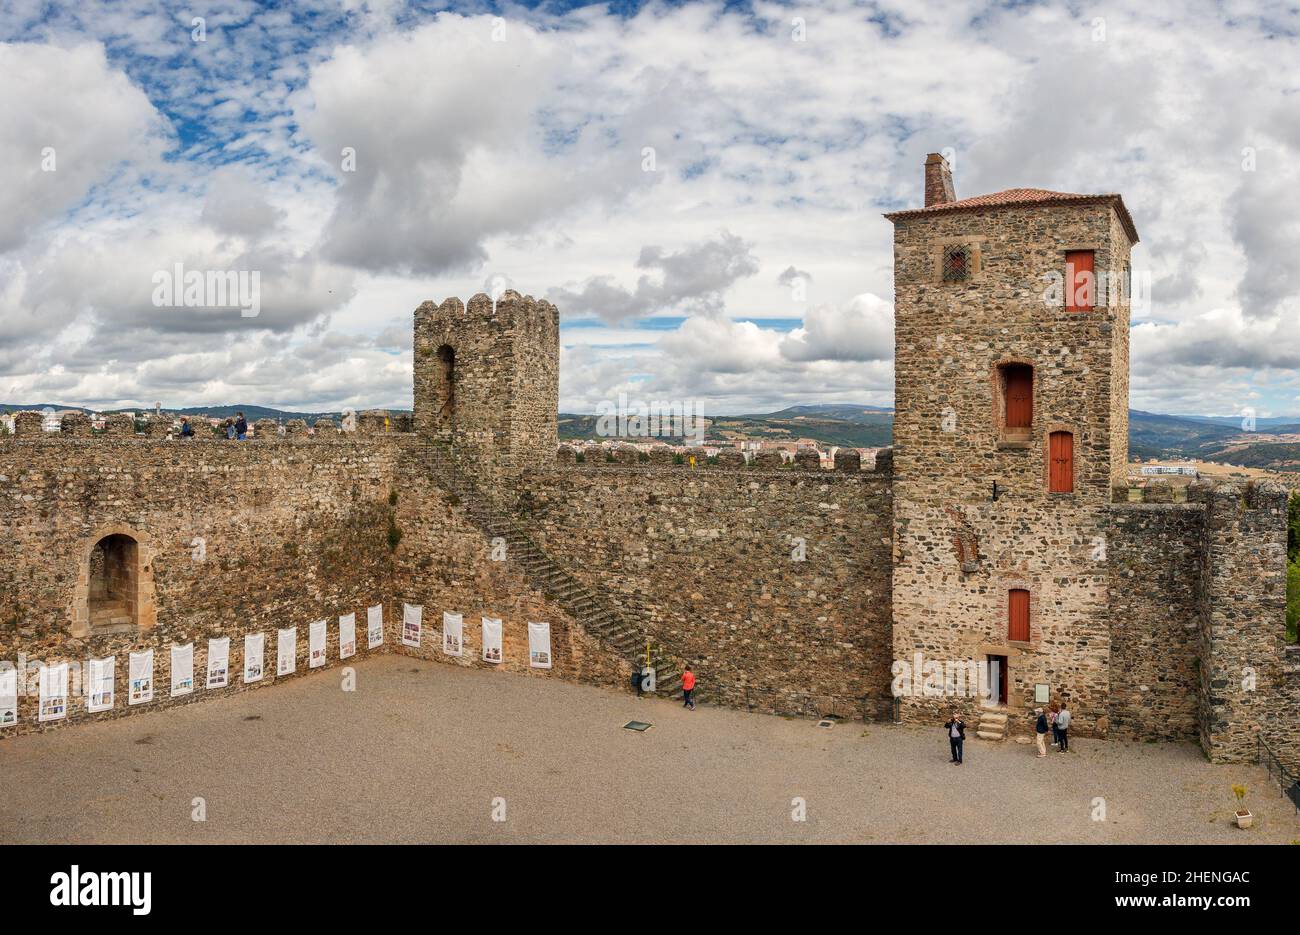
[862,330]
[68,122]
[692,279]
[526,158]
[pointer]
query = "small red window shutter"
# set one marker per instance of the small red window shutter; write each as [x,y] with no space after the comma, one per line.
[1018,615]
[1060,453]
[1020,396]
[1080,281]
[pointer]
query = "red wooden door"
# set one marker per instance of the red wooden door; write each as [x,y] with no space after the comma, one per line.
[1020,396]
[1080,281]
[1018,615]
[1060,453]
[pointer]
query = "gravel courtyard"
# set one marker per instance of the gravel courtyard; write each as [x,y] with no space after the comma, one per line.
[420,750]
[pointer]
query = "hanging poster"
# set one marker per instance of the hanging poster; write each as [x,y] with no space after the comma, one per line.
[100,687]
[539,645]
[412,624]
[491,640]
[286,651]
[54,693]
[374,626]
[8,696]
[316,644]
[254,653]
[219,662]
[453,634]
[182,669]
[347,636]
[140,675]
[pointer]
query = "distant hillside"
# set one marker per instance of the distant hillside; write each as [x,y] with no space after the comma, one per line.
[1174,434]
[1275,445]
[851,426]
[1151,435]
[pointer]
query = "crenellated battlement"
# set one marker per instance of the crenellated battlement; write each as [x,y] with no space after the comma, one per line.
[512,310]
[29,426]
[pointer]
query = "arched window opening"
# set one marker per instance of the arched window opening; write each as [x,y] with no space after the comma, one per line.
[114,598]
[445,390]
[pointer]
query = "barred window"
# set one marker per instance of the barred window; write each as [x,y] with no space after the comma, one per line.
[956,264]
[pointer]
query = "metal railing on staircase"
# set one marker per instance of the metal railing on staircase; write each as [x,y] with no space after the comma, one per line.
[1287,780]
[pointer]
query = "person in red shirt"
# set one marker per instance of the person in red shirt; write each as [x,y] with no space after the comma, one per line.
[688,686]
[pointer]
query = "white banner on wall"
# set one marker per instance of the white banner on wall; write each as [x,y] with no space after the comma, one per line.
[539,645]
[491,639]
[316,644]
[347,635]
[254,656]
[182,669]
[412,624]
[140,674]
[374,626]
[54,693]
[286,651]
[453,634]
[8,696]
[219,662]
[101,674]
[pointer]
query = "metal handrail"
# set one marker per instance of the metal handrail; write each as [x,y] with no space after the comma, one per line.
[1288,782]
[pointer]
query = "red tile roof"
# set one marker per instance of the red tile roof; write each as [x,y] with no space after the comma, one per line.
[1017,197]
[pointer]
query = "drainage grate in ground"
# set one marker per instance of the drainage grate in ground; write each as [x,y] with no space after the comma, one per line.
[636,725]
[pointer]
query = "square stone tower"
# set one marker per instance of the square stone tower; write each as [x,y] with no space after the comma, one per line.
[1010,431]
[487,381]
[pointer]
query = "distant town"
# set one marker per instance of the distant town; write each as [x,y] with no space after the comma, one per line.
[1174,449]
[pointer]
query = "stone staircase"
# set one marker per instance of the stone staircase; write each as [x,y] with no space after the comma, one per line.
[598,616]
[992,725]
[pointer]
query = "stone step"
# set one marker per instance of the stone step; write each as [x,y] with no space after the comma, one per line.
[988,717]
[989,735]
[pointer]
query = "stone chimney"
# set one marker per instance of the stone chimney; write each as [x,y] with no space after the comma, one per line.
[938,181]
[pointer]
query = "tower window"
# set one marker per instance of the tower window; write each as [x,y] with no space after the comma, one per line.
[1017,401]
[1080,281]
[444,415]
[956,264]
[1018,615]
[1060,453]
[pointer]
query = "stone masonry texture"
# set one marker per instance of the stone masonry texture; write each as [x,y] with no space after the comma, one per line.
[788,588]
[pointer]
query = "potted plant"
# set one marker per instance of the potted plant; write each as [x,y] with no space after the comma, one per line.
[1244,818]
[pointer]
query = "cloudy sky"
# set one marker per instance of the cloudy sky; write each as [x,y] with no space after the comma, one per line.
[698,186]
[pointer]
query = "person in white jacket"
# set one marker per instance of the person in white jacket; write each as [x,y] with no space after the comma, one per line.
[1063,728]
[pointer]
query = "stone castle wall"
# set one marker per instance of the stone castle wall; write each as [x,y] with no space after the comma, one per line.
[794,591]
[704,561]
[1153,552]
[249,537]
[446,563]
[1242,592]
[234,537]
